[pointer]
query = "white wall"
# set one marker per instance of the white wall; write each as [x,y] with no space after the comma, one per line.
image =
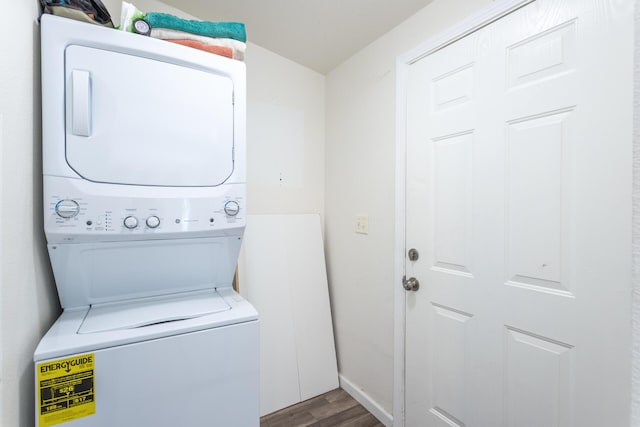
[635,377]
[278,89]
[285,135]
[360,156]
[1,262]
[29,303]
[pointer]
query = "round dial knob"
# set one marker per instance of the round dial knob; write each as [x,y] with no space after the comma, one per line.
[231,208]
[153,221]
[131,222]
[67,208]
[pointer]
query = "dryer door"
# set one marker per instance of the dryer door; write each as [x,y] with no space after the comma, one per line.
[139,121]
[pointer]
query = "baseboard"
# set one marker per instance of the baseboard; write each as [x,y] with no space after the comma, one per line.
[365,400]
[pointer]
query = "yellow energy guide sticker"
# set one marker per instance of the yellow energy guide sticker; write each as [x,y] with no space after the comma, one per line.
[66,389]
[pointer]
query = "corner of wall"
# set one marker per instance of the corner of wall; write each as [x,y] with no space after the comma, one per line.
[366,401]
[2,346]
[360,179]
[635,345]
[29,303]
[635,318]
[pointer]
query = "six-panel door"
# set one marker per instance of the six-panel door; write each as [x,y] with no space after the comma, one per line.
[519,202]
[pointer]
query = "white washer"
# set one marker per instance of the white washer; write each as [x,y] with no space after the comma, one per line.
[196,372]
[144,211]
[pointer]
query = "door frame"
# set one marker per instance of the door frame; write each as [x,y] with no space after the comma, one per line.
[468,26]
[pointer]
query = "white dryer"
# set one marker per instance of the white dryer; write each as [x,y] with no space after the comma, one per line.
[144,212]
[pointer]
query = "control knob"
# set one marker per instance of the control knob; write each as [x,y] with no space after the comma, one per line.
[67,208]
[153,221]
[231,208]
[131,222]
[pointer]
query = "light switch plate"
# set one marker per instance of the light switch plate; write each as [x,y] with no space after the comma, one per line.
[362,224]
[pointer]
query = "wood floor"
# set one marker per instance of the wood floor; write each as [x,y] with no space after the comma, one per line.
[333,409]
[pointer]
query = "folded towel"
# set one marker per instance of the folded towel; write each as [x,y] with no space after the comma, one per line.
[229,30]
[218,50]
[238,47]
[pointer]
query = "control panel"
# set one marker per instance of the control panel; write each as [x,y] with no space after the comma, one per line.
[72,215]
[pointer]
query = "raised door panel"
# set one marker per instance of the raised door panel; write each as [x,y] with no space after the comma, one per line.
[547,400]
[452,203]
[537,199]
[450,398]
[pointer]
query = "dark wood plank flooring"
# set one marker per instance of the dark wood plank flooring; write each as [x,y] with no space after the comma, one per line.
[333,409]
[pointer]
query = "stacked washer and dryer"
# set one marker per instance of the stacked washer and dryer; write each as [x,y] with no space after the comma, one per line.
[144,212]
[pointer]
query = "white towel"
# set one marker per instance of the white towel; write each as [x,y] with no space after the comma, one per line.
[238,47]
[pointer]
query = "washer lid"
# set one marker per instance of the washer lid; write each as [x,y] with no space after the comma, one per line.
[151,311]
[141,121]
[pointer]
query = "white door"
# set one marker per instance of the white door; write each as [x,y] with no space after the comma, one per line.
[519,204]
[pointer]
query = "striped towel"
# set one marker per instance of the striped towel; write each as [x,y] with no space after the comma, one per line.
[218,50]
[238,47]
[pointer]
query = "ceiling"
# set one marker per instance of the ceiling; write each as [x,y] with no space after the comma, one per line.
[319,34]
